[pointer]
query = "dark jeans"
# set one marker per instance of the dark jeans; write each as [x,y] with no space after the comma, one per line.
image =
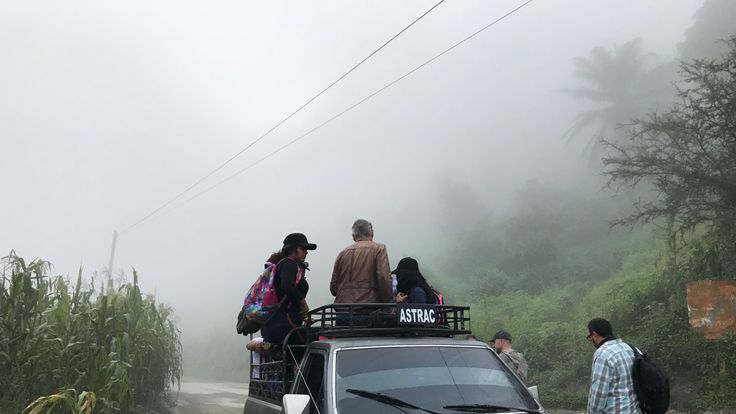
[345,320]
[276,330]
[375,319]
[280,325]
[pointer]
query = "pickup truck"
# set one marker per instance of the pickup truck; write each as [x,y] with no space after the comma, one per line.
[397,359]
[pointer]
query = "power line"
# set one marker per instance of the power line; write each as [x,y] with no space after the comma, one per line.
[353,106]
[247,147]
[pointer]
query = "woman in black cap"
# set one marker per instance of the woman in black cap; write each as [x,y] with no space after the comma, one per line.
[291,289]
[412,287]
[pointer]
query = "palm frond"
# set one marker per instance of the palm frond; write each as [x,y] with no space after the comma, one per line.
[582,121]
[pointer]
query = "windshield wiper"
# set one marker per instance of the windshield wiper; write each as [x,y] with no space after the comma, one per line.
[387,399]
[486,408]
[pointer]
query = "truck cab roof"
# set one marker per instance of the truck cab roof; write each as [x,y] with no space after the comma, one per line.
[381,341]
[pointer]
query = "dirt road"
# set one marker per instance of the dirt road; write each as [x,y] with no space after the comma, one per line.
[209,397]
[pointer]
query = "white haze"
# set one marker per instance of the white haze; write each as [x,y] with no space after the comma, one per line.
[108,109]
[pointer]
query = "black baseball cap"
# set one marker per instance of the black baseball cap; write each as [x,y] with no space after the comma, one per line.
[407,263]
[298,239]
[502,334]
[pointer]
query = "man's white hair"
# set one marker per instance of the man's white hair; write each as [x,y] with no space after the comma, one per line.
[362,228]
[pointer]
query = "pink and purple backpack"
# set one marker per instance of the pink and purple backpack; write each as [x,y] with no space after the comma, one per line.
[261,302]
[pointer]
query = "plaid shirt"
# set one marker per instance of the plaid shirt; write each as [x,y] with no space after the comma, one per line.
[611,385]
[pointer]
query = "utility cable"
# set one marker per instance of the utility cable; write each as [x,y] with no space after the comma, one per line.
[353,106]
[264,135]
[299,371]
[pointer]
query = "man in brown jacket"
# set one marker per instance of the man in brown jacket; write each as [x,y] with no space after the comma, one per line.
[362,273]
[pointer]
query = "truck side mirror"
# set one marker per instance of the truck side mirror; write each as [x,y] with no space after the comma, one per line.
[534,391]
[296,404]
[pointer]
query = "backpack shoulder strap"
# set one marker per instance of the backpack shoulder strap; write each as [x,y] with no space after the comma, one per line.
[299,269]
[280,261]
[440,298]
[277,265]
[636,350]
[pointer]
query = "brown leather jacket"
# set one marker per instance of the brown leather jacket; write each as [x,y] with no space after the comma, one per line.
[362,274]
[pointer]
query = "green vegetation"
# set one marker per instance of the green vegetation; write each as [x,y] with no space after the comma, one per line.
[68,401]
[544,272]
[74,347]
[687,155]
[545,285]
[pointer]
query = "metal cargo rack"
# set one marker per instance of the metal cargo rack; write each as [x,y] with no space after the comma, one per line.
[381,319]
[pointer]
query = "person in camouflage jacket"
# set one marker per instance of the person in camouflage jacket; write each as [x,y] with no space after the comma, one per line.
[514,359]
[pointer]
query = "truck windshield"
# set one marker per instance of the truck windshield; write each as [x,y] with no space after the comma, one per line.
[430,377]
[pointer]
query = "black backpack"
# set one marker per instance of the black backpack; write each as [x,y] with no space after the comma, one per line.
[651,385]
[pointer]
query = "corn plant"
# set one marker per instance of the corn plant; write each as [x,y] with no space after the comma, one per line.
[59,339]
[66,401]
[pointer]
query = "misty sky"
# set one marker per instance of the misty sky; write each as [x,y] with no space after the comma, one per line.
[109,109]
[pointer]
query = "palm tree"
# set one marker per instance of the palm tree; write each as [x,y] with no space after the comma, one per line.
[613,81]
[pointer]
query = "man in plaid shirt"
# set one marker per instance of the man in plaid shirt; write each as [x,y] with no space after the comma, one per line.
[611,384]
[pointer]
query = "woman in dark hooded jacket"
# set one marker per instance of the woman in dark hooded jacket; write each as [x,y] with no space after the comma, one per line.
[412,287]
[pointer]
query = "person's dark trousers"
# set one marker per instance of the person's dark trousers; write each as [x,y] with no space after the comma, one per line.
[355,320]
[280,325]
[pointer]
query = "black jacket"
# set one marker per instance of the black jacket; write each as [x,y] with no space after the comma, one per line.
[284,281]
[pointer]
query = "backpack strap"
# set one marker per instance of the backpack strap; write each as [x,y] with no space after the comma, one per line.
[299,270]
[439,299]
[636,350]
[273,271]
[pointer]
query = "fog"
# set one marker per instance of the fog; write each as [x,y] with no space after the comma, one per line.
[108,110]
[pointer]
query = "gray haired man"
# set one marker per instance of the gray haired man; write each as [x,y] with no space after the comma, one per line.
[362,273]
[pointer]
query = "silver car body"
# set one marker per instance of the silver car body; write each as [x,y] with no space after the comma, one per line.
[330,348]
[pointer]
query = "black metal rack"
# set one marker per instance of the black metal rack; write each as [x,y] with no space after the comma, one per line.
[274,378]
[382,319]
